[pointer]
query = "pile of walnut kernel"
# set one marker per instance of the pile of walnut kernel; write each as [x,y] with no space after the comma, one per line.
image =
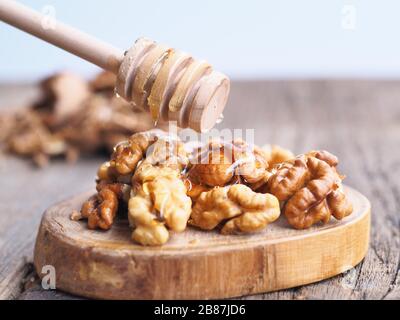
[231,186]
[71,116]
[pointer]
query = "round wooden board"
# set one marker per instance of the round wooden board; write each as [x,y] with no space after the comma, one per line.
[196,264]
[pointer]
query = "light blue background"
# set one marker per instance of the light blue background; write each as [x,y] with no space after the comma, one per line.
[244,39]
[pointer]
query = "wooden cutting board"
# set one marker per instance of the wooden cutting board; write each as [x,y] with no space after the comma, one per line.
[196,264]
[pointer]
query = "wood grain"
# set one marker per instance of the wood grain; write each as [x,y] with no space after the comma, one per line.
[196,264]
[359,120]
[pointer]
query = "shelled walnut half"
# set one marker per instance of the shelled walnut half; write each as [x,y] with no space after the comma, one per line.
[223,163]
[311,189]
[158,203]
[101,209]
[159,198]
[276,154]
[237,207]
[211,165]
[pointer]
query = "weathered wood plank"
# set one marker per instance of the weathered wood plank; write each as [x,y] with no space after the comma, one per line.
[357,120]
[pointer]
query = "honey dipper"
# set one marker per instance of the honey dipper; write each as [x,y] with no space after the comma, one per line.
[168,83]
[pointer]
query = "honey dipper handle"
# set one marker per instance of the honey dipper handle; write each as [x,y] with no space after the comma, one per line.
[61,35]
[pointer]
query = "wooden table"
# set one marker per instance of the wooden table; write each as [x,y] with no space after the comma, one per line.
[357,120]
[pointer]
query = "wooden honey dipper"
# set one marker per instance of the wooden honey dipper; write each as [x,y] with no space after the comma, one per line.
[168,83]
